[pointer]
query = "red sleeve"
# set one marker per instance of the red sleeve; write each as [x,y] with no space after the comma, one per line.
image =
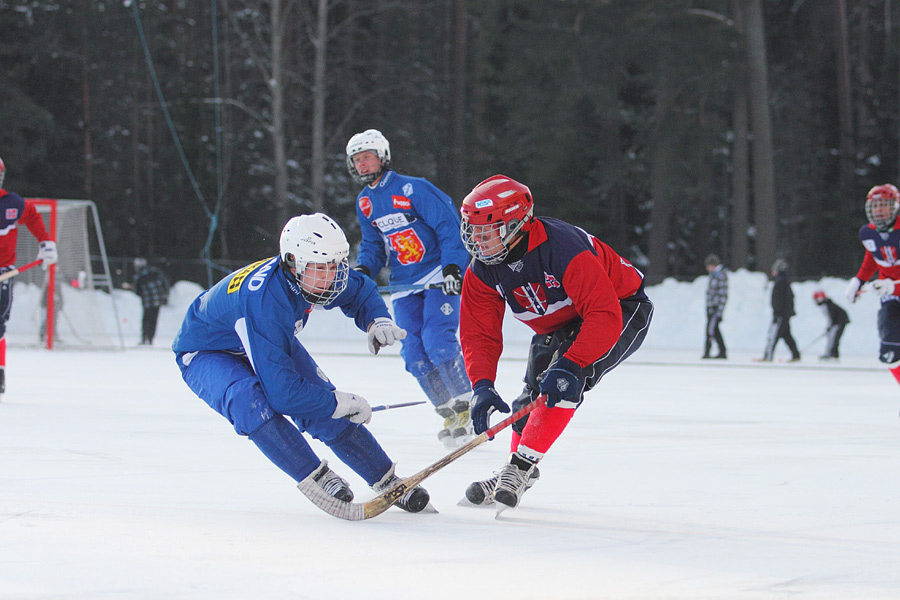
[868,268]
[480,328]
[32,219]
[595,299]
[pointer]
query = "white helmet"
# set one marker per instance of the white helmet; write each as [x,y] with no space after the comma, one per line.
[370,139]
[315,240]
[2,172]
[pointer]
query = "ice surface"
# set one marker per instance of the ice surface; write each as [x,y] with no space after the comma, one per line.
[678,478]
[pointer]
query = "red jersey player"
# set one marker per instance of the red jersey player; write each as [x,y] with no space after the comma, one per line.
[881,239]
[585,303]
[13,211]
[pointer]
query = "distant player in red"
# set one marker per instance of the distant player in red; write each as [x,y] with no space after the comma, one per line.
[14,211]
[585,303]
[881,239]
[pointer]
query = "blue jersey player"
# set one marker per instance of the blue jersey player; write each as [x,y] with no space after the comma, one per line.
[412,226]
[881,240]
[239,350]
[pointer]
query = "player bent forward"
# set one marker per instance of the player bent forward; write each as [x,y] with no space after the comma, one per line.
[238,349]
[585,303]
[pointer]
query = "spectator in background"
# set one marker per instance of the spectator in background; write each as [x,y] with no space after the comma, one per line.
[716,297]
[837,321]
[782,311]
[152,286]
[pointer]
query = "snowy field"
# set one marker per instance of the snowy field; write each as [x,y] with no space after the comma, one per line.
[678,478]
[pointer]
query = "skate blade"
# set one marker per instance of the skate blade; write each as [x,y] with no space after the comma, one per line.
[501,508]
[429,508]
[466,502]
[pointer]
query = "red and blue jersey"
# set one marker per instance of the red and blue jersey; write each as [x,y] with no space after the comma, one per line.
[414,224]
[14,210]
[882,254]
[566,274]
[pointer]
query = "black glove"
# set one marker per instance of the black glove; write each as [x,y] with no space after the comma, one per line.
[452,280]
[562,381]
[485,401]
[362,269]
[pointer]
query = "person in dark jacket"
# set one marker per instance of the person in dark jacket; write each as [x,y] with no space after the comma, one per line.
[716,297]
[782,311]
[837,321]
[152,286]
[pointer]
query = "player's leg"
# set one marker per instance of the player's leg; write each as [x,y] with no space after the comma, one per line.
[889,332]
[835,339]
[6,298]
[229,386]
[440,323]
[785,334]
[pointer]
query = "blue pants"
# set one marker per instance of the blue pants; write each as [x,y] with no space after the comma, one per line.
[228,384]
[430,319]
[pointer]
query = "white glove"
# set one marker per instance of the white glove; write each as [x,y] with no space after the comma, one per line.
[853,289]
[351,406]
[883,287]
[47,253]
[383,332]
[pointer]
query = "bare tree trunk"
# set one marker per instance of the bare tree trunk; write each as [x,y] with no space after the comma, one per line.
[86,103]
[765,208]
[283,211]
[663,158]
[320,44]
[844,101]
[458,110]
[740,165]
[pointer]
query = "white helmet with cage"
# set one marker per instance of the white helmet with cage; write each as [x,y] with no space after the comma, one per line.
[314,253]
[373,140]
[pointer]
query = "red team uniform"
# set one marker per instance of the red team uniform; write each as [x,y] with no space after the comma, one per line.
[881,240]
[585,303]
[13,212]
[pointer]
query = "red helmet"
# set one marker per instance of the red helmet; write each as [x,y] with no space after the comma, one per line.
[882,206]
[494,215]
[2,172]
[819,296]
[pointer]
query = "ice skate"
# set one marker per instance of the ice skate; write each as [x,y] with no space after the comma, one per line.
[481,493]
[333,484]
[512,482]
[414,501]
[458,427]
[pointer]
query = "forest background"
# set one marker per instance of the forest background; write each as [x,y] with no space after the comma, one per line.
[670,129]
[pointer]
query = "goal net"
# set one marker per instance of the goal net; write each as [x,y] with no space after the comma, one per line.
[73,300]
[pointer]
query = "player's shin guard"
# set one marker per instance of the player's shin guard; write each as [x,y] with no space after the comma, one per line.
[544,427]
[285,446]
[434,388]
[895,371]
[453,374]
[358,449]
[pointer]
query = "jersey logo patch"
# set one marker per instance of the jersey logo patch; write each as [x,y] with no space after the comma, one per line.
[12,213]
[408,189]
[401,202]
[869,245]
[532,298]
[890,254]
[392,221]
[447,309]
[365,206]
[550,281]
[408,246]
[239,277]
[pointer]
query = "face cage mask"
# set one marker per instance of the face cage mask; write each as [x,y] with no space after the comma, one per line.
[469,232]
[337,286]
[366,179]
[881,212]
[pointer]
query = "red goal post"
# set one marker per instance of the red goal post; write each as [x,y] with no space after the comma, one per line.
[72,304]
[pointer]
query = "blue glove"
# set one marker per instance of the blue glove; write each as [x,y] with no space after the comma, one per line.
[562,381]
[486,401]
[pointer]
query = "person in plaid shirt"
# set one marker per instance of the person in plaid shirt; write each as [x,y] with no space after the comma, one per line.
[716,297]
[152,286]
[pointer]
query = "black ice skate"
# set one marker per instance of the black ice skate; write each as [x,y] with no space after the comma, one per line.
[481,493]
[512,481]
[415,500]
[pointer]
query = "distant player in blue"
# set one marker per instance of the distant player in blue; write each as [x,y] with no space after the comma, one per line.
[239,350]
[410,224]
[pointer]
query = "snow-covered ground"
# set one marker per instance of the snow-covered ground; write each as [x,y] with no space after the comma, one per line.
[678,478]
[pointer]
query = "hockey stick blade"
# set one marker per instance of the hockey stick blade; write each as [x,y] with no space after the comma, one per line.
[16,271]
[379,504]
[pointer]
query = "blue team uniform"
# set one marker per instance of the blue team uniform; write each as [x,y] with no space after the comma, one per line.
[239,350]
[410,225]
